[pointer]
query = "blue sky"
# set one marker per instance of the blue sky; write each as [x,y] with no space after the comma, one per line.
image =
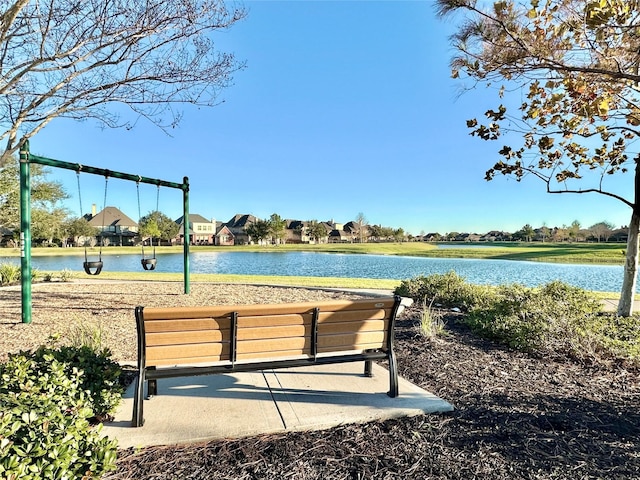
[344,107]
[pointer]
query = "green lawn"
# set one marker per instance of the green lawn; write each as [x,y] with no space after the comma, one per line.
[596,253]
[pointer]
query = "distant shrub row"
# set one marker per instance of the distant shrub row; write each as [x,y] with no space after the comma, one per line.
[553,319]
[50,402]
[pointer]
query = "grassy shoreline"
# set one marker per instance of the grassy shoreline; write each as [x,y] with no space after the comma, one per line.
[579,253]
[604,254]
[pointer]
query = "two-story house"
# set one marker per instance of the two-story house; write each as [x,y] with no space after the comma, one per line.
[115,227]
[201,231]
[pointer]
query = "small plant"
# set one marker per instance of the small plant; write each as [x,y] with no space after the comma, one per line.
[66,275]
[85,335]
[9,273]
[431,321]
[47,277]
[35,274]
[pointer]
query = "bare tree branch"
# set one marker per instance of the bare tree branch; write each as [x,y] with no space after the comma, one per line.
[65,58]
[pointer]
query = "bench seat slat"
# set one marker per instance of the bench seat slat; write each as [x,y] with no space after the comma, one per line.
[296,353]
[182,324]
[345,327]
[301,344]
[208,360]
[188,337]
[273,320]
[274,332]
[345,340]
[351,315]
[360,347]
[191,350]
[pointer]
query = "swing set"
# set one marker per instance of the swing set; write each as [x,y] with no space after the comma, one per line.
[94,267]
[90,267]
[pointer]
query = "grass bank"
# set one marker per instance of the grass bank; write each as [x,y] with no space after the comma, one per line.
[580,253]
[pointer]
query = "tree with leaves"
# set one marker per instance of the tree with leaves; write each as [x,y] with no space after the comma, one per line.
[65,58]
[48,225]
[574,231]
[527,232]
[78,228]
[157,225]
[576,66]
[316,230]
[398,234]
[277,228]
[46,213]
[258,231]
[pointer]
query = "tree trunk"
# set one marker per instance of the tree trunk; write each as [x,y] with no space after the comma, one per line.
[625,306]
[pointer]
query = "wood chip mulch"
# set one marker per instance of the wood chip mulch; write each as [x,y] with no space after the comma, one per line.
[516,416]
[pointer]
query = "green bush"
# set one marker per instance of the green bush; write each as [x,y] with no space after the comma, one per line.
[554,318]
[45,409]
[9,273]
[446,290]
[100,375]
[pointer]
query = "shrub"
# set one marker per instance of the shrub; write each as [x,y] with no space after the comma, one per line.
[100,374]
[9,273]
[554,318]
[446,290]
[44,420]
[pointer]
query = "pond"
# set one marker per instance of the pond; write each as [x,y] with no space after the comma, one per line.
[491,272]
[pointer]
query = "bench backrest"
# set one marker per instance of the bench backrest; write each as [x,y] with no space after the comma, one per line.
[193,335]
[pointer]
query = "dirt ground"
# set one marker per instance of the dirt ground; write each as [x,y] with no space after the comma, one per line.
[516,416]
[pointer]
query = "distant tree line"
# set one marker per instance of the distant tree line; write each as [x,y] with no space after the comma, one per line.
[599,232]
[51,223]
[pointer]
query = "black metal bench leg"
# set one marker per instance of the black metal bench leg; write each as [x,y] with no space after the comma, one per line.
[138,399]
[152,388]
[393,375]
[368,368]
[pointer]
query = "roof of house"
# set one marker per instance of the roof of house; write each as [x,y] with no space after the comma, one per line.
[241,220]
[193,218]
[293,224]
[111,216]
[224,229]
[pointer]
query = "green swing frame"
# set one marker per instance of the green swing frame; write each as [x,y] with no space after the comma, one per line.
[26,158]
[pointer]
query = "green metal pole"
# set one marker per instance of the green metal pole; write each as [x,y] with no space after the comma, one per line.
[185,231]
[25,232]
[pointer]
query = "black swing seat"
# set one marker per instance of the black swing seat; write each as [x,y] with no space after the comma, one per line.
[148,263]
[92,268]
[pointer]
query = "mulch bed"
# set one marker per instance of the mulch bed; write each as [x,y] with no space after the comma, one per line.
[516,417]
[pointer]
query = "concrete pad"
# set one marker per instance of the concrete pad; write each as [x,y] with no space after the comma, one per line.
[194,409]
[313,398]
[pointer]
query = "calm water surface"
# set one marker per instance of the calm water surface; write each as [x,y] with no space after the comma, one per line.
[492,272]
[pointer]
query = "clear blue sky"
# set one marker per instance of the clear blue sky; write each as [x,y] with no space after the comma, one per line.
[344,107]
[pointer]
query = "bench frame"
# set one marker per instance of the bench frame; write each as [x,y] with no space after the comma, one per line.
[151,374]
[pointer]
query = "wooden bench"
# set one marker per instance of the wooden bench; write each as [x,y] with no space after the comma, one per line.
[187,341]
